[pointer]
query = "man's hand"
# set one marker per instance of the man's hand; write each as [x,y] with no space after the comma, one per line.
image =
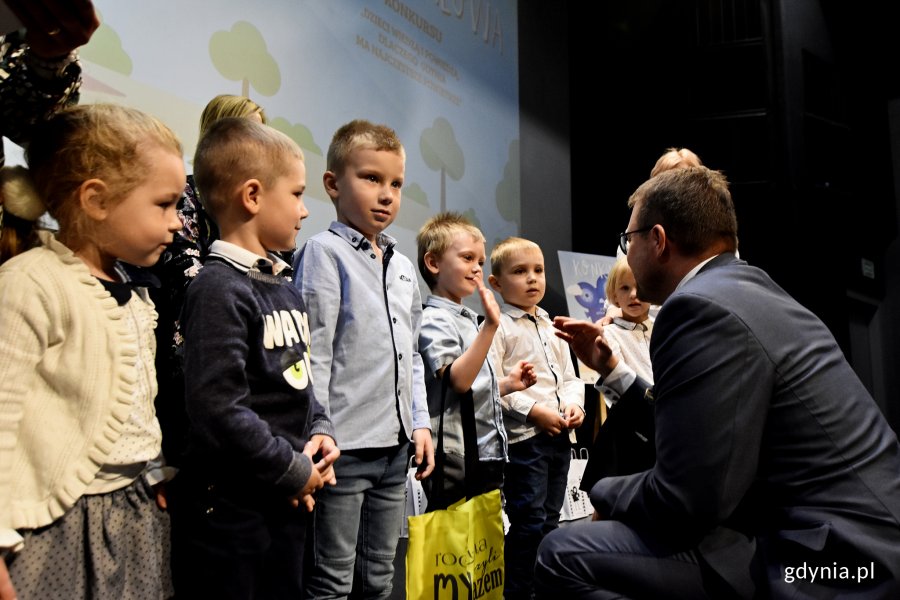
[424,452]
[587,341]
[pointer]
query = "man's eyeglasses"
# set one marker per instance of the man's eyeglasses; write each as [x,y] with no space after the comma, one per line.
[625,237]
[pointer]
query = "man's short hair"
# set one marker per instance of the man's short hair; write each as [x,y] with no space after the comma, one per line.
[233,150]
[360,133]
[693,205]
[437,234]
[502,251]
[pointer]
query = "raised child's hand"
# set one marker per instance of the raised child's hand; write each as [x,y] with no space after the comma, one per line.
[489,303]
[547,419]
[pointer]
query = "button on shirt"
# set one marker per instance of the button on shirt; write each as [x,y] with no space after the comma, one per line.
[448,329]
[364,317]
[522,336]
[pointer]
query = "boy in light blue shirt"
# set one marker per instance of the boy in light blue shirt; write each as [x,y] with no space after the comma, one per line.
[451,258]
[364,308]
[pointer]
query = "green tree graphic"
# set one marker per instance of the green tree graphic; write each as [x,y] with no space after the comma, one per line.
[241,55]
[441,152]
[105,49]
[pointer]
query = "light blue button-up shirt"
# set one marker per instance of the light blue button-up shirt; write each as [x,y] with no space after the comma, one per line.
[364,316]
[448,329]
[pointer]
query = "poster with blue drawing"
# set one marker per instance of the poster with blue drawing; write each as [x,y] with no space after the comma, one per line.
[584,279]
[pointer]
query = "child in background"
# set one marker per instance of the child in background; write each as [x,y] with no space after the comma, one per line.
[539,419]
[672,158]
[365,309]
[79,440]
[175,269]
[629,335]
[238,529]
[451,256]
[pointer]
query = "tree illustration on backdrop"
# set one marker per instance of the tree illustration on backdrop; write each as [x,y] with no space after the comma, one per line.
[241,55]
[441,152]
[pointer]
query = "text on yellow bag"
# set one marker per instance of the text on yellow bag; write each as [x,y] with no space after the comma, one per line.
[457,554]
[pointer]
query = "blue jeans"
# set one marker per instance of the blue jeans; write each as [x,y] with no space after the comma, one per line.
[356,526]
[534,487]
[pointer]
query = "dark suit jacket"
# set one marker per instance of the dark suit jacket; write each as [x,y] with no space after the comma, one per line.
[770,452]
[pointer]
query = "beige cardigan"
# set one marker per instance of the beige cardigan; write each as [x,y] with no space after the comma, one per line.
[67,378]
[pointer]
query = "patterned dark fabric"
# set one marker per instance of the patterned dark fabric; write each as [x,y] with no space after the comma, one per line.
[27,95]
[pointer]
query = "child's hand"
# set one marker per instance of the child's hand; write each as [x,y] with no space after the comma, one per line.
[161,501]
[519,378]
[7,592]
[305,495]
[424,452]
[574,416]
[489,303]
[324,446]
[546,419]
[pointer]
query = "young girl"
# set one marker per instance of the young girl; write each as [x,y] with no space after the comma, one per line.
[79,439]
[629,334]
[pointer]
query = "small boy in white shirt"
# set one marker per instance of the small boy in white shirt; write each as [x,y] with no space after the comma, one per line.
[539,419]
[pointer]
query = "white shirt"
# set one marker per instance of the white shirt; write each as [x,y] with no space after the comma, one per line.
[522,336]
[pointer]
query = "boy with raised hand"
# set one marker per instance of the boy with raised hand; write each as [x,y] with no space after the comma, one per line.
[254,422]
[539,420]
[451,259]
[365,312]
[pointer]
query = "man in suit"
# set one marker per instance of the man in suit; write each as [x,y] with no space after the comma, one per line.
[776,474]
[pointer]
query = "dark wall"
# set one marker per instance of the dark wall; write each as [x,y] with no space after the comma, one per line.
[788,97]
[545,151]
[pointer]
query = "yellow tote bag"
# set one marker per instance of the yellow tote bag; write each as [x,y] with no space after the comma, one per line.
[457,554]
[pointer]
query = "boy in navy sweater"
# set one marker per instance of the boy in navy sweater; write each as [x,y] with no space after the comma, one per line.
[239,529]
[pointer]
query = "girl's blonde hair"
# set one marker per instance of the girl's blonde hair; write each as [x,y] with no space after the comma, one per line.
[616,273]
[226,105]
[93,141]
[675,158]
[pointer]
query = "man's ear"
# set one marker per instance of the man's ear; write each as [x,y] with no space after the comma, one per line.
[431,263]
[661,242]
[251,192]
[92,197]
[329,180]
[495,283]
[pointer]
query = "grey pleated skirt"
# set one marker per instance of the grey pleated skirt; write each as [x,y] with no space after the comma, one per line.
[112,546]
